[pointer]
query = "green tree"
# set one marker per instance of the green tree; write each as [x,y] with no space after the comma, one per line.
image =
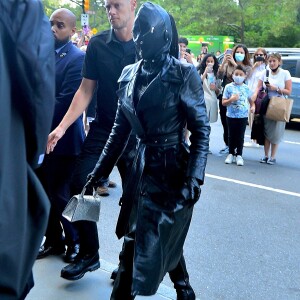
[253,22]
[97,20]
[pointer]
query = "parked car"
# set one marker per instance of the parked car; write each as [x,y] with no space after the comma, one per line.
[296,96]
[282,51]
[292,64]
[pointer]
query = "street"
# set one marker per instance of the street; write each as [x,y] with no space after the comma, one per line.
[244,240]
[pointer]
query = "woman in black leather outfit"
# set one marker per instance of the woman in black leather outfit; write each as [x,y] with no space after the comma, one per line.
[158,97]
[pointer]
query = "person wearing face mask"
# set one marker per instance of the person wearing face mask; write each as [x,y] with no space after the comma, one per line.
[164,182]
[239,56]
[279,84]
[235,97]
[208,70]
[259,65]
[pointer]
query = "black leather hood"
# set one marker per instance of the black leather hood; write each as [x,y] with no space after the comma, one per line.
[152,31]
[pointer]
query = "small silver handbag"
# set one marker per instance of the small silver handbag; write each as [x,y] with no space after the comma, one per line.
[83,208]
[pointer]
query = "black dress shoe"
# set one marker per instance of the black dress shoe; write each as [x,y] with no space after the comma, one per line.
[81,265]
[71,253]
[186,293]
[46,250]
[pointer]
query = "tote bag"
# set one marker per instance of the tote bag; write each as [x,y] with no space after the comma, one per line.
[279,109]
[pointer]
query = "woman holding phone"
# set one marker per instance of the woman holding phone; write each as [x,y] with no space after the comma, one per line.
[239,55]
[279,84]
[208,70]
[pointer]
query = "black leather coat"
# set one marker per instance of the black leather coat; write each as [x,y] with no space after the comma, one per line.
[171,101]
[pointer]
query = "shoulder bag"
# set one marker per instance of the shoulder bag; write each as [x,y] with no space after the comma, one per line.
[263,99]
[279,109]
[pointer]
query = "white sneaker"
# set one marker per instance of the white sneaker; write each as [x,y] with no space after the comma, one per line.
[229,159]
[239,161]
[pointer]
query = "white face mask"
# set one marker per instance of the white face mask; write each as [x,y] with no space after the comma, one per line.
[238,79]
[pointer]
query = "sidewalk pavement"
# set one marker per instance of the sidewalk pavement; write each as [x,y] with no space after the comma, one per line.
[95,285]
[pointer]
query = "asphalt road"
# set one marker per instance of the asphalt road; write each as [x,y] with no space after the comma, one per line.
[244,240]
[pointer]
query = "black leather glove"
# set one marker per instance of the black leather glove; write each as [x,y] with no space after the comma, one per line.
[191,190]
[91,183]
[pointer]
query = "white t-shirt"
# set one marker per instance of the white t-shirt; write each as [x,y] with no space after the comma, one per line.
[253,79]
[278,79]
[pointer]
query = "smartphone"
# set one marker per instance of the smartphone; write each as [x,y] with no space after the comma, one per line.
[228,51]
[188,50]
[267,82]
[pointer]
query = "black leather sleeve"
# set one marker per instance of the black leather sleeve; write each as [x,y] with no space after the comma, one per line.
[115,145]
[192,96]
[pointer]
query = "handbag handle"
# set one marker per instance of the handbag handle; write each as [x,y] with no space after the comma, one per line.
[83,193]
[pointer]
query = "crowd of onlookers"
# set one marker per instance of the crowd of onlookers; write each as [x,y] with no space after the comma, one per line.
[231,88]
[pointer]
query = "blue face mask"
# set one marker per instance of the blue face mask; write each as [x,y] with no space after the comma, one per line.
[238,79]
[239,57]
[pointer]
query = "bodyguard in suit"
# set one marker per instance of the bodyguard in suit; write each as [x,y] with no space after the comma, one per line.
[57,169]
[27,103]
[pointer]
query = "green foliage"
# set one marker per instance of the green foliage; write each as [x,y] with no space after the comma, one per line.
[254,22]
[97,20]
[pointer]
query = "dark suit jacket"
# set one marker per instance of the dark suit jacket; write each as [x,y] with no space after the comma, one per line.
[68,64]
[27,103]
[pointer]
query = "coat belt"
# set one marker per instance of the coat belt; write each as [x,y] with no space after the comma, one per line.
[162,140]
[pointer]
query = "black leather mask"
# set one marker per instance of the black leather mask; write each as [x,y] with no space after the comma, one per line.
[152,32]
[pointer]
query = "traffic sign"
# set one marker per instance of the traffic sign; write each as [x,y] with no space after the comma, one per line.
[84,19]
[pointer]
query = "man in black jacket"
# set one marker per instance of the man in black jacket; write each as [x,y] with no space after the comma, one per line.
[27,98]
[107,54]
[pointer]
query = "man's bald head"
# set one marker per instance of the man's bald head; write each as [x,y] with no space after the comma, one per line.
[63,25]
[67,14]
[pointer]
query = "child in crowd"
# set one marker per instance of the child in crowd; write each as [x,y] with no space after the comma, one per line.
[235,97]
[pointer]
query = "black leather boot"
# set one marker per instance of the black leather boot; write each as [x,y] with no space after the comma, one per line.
[180,278]
[123,280]
[114,273]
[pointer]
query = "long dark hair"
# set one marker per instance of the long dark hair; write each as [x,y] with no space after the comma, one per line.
[174,48]
[202,65]
[246,61]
